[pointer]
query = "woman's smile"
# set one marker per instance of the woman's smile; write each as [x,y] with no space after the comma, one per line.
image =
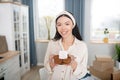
[64,32]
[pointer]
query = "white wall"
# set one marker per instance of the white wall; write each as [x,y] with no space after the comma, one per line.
[93,48]
[41,50]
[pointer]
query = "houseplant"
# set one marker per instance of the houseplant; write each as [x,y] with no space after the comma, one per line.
[117,55]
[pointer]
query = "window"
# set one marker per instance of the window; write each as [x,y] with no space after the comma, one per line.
[47,10]
[105,21]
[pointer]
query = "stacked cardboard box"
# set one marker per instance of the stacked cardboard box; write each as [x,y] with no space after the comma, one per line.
[102,67]
[116,74]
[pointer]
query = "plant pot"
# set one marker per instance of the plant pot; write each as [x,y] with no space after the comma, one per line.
[118,64]
[105,40]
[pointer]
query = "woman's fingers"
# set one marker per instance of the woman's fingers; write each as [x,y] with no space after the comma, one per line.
[73,65]
[51,61]
[51,56]
[72,57]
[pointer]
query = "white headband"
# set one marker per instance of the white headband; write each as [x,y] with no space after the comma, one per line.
[69,14]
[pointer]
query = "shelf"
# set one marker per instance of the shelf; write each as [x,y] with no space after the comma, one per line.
[42,41]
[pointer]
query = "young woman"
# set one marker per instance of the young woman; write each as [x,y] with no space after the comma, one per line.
[68,41]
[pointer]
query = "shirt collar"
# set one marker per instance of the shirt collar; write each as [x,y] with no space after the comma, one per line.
[74,43]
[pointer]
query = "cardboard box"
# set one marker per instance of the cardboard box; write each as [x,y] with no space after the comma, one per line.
[103,75]
[103,65]
[103,58]
[3,44]
[116,75]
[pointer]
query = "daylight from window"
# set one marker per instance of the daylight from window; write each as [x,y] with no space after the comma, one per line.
[105,14]
[48,9]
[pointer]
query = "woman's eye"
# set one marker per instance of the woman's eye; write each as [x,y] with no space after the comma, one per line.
[67,24]
[58,24]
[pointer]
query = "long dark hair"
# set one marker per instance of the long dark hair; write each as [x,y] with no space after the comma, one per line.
[75,30]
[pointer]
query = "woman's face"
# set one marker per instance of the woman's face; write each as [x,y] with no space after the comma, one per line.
[64,26]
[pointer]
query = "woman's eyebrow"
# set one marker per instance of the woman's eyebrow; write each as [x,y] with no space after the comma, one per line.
[67,21]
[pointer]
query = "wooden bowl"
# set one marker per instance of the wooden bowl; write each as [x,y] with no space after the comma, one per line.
[57,60]
[66,61]
[61,61]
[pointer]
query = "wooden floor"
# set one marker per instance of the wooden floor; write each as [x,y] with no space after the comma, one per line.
[33,74]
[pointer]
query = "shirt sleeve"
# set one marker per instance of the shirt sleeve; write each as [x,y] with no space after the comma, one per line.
[81,69]
[46,59]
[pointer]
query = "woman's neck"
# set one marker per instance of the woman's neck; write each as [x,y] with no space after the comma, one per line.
[68,39]
[67,42]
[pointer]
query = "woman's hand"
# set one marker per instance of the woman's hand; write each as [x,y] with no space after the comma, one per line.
[51,61]
[73,62]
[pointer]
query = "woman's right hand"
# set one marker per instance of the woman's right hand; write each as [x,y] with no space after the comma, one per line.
[51,61]
[73,62]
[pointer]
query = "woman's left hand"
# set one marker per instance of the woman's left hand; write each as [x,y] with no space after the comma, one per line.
[73,62]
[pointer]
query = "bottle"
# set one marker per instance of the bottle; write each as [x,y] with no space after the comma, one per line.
[106,33]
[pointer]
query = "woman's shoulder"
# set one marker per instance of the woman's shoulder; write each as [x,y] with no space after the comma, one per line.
[53,41]
[80,42]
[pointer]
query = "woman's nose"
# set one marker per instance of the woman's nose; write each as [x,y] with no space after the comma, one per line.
[63,27]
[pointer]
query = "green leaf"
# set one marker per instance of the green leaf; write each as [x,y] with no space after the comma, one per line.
[117,51]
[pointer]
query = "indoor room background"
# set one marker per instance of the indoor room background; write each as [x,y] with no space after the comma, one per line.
[83,14]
